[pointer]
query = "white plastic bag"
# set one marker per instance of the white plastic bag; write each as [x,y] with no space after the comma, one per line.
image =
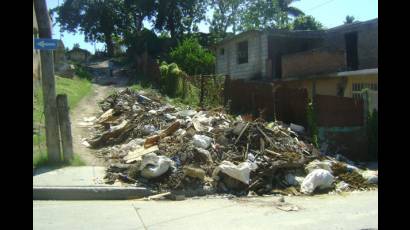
[154,166]
[293,180]
[371,176]
[148,129]
[342,186]
[297,128]
[202,141]
[318,178]
[239,172]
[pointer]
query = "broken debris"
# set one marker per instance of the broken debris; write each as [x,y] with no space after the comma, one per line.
[168,149]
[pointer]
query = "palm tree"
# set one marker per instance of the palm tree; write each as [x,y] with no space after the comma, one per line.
[290,10]
[286,11]
[349,19]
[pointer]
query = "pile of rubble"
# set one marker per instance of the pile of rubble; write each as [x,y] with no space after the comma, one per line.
[152,144]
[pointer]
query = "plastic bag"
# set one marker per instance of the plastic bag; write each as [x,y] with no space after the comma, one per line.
[239,172]
[154,166]
[202,141]
[318,178]
[371,176]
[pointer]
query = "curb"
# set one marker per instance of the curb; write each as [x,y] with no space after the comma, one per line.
[89,193]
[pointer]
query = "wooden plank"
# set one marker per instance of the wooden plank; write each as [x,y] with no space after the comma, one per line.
[65,127]
[153,140]
[242,131]
[134,155]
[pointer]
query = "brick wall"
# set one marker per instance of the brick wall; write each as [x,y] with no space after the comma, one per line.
[282,45]
[312,62]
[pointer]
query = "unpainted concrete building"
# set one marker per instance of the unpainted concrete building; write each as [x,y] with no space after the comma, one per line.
[340,61]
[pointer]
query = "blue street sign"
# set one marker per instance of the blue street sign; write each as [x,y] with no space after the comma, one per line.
[45,43]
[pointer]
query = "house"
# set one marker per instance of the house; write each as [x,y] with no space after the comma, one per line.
[340,61]
[79,55]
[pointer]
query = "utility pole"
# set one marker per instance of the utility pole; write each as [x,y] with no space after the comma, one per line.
[48,85]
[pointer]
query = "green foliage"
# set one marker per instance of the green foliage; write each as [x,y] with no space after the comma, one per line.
[82,73]
[192,58]
[145,40]
[75,89]
[311,119]
[226,14]
[349,19]
[306,23]
[255,14]
[96,20]
[41,159]
[373,133]
[178,17]
[214,88]
[171,80]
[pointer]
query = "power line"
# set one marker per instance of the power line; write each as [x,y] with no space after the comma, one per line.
[321,5]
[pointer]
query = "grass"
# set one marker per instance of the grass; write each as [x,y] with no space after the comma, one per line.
[192,98]
[75,89]
[40,159]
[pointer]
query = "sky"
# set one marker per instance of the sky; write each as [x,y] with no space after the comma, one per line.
[330,13]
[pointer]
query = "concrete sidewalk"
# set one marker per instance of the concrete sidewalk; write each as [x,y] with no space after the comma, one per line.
[357,210]
[80,183]
[70,176]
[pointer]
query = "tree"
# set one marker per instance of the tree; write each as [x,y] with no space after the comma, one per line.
[133,13]
[259,14]
[97,19]
[306,23]
[192,58]
[225,15]
[349,19]
[287,11]
[179,16]
[76,46]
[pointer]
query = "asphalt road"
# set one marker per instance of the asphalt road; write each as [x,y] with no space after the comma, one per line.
[358,210]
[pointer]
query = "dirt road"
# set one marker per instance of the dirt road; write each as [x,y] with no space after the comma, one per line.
[103,85]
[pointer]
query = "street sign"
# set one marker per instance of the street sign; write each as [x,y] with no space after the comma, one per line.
[45,43]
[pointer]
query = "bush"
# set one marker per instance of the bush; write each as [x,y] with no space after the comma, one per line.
[82,73]
[192,58]
[171,79]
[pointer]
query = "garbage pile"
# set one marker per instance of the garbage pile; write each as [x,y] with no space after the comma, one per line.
[152,144]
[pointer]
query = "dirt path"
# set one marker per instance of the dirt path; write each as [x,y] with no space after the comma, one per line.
[102,86]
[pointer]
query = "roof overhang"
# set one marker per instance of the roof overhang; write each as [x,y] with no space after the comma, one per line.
[362,72]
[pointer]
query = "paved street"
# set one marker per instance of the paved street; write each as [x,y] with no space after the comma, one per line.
[357,210]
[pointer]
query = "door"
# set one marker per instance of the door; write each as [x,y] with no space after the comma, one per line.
[352,59]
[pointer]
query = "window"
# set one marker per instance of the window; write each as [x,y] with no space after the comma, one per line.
[358,87]
[242,52]
[222,51]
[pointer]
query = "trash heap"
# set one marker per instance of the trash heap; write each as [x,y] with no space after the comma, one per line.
[152,144]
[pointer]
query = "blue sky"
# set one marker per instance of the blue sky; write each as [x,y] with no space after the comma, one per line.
[330,13]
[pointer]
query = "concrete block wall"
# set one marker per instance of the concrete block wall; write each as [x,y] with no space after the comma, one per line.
[264,54]
[367,42]
[227,64]
[368,47]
